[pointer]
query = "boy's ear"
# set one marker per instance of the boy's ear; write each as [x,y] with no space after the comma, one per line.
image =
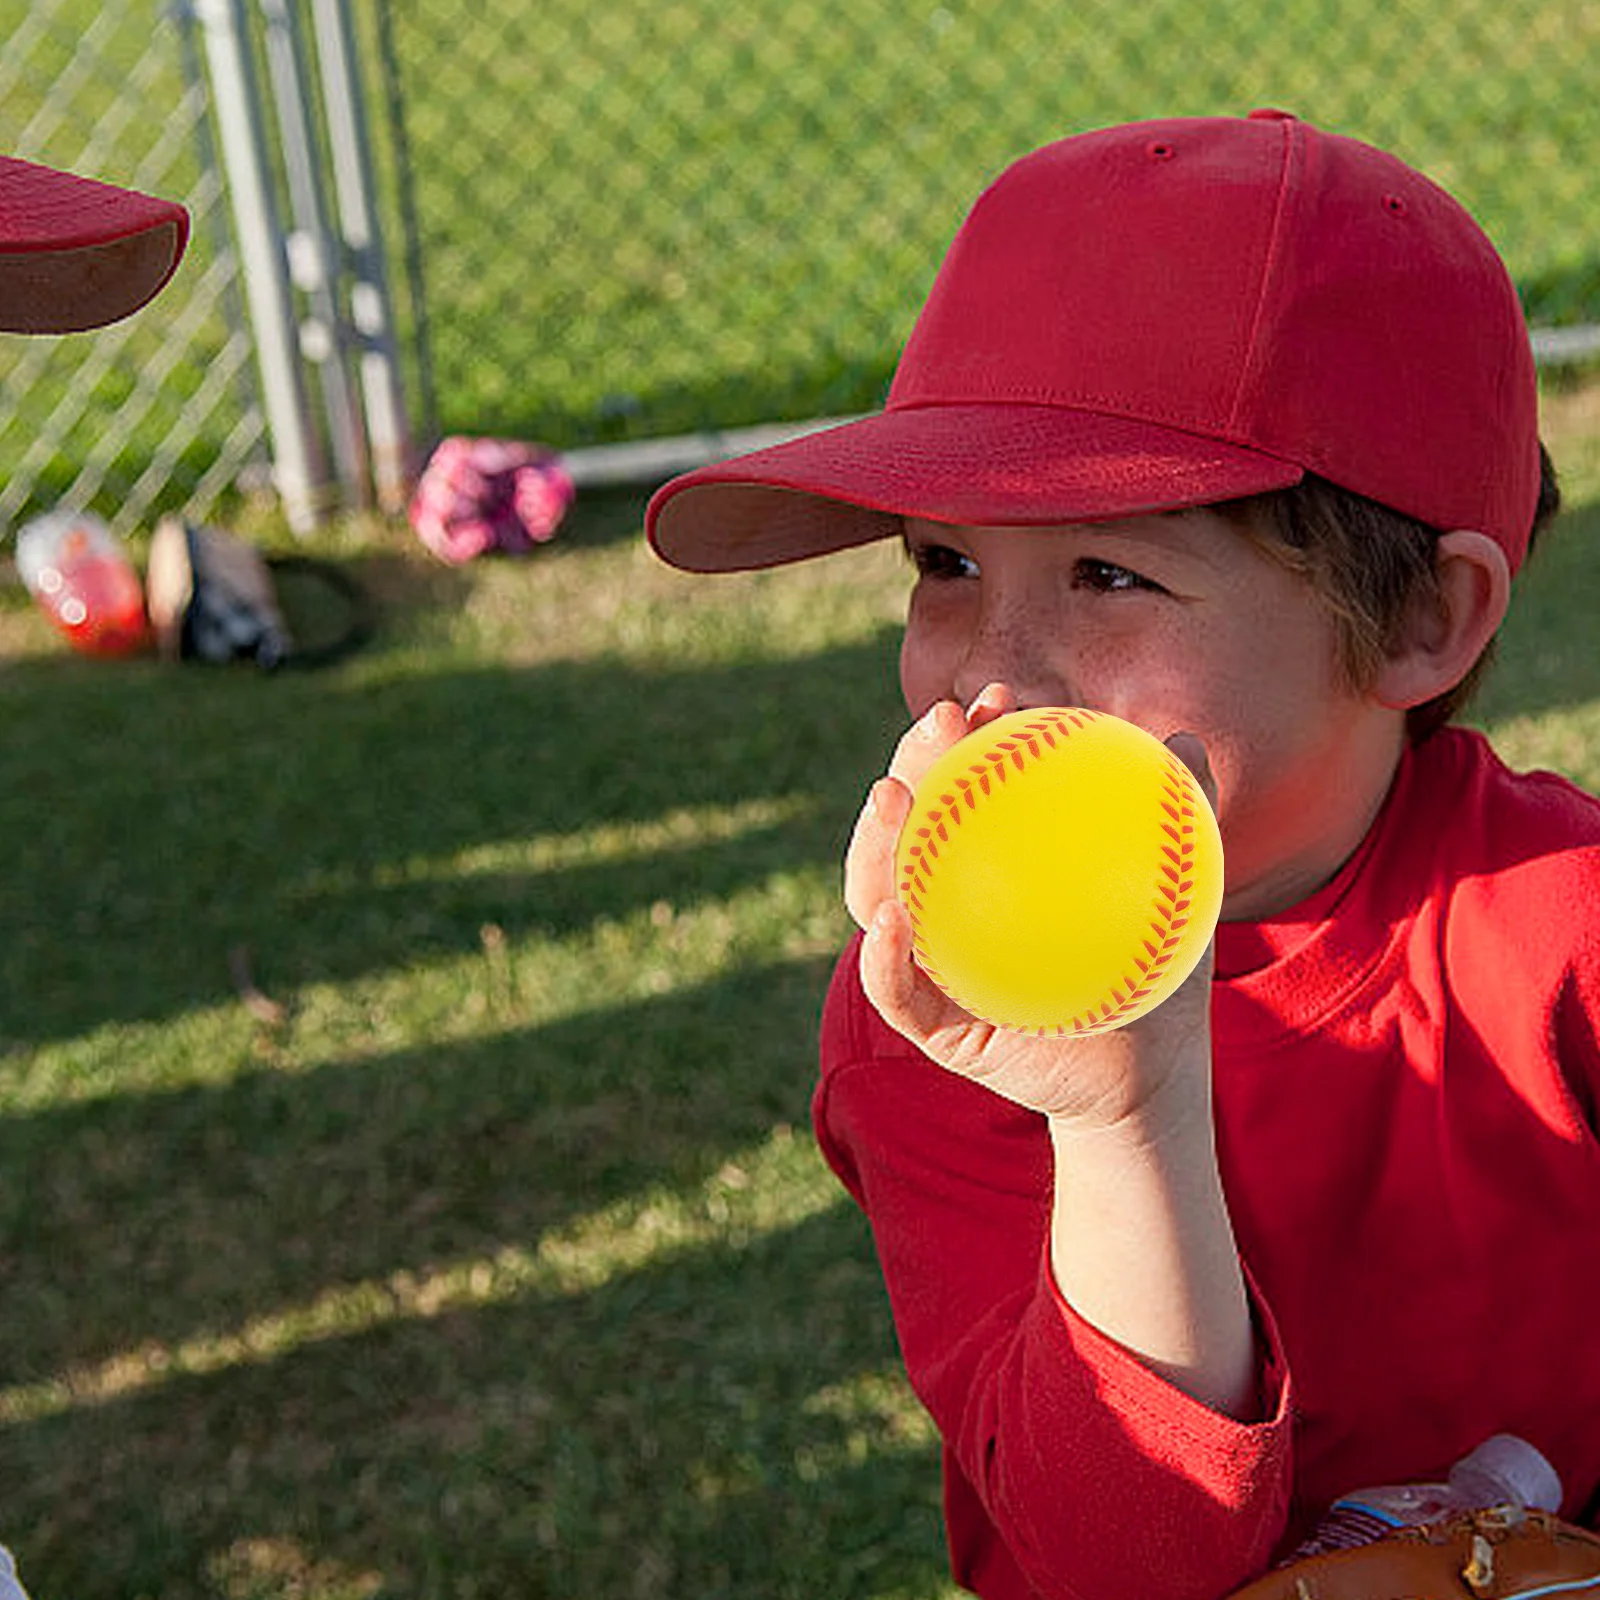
[1444,641]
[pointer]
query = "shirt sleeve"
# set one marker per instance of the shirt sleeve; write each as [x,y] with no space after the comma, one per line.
[1097,1477]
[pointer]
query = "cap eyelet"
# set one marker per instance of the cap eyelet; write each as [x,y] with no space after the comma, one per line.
[1394,205]
[1160,150]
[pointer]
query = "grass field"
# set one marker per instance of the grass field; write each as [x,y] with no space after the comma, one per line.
[481,1249]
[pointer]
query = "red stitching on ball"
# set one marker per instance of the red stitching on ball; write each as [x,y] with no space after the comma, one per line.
[1169,926]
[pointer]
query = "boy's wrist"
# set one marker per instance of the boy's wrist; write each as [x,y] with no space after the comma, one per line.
[1162,1079]
[1141,1245]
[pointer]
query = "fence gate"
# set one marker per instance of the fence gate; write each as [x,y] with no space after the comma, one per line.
[271,358]
[160,410]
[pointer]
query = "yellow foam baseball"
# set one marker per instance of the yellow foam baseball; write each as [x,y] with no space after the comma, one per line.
[1062,870]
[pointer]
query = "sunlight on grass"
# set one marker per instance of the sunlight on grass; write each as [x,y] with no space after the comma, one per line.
[282,1569]
[877,1413]
[678,830]
[1567,742]
[127,1058]
[648,952]
[650,613]
[770,1186]
[1569,419]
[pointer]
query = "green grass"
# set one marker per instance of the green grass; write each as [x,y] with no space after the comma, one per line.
[727,217]
[498,1260]
[503,1263]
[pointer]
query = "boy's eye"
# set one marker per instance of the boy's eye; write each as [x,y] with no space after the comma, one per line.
[941,561]
[1106,577]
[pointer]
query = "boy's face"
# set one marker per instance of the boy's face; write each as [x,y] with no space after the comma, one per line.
[1176,622]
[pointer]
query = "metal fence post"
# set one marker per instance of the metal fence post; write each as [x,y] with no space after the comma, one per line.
[315,266]
[297,455]
[388,434]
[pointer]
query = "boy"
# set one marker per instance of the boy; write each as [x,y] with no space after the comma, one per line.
[1227,426]
[74,255]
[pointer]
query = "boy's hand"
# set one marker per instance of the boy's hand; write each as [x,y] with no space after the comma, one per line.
[1099,1080]
[1141,1244]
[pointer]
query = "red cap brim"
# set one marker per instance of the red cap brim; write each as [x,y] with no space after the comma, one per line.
[76,254]
[1004,465]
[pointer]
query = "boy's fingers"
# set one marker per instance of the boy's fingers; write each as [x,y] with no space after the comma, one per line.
[1192,753]
[869,861]
[892,981]
[994,700]
[925,741]
[941,726]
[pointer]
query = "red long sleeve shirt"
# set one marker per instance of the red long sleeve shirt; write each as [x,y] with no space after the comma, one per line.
[1406,1070]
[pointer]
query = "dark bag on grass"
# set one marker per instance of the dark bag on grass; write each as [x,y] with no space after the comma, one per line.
[213,597]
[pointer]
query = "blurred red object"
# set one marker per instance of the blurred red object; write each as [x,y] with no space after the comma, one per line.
[84,582]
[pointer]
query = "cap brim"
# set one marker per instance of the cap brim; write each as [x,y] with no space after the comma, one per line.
[76,254]
[1008,465]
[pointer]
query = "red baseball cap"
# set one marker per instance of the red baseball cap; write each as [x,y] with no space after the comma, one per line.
[1160,315]
[76,254]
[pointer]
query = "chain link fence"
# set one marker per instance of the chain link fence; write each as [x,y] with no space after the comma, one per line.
[619,220]
[158,412]
[635,219]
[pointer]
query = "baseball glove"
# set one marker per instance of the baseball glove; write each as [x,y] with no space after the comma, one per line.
[1479,1555]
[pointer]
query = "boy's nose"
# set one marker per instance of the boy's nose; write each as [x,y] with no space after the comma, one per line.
[1006,648]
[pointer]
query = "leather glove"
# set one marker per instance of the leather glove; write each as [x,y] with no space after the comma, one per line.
[1499,1554]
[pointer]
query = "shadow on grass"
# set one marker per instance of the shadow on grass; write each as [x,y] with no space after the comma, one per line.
[710,1424]
[685,1428]
[602,516]
[171,1215]
[702,1428]
[298,815]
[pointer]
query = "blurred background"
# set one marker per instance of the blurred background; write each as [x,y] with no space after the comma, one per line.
[590,223]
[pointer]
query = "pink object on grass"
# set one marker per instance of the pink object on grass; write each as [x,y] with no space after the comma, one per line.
[478,495]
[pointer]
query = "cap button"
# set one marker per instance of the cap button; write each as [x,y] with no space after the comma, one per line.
[1270,114]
